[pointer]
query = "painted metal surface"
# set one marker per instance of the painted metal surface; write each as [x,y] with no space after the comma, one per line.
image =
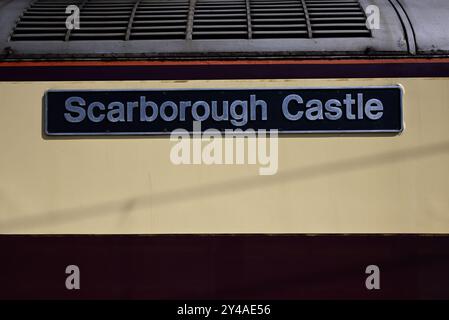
[325,184]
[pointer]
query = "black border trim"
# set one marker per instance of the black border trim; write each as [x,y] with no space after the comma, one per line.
[222,71]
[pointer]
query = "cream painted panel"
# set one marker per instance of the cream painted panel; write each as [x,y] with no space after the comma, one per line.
[325,184]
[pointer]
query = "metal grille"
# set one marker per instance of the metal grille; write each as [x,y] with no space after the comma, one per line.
[192,19]
[278,19]
[336,18]
[160,19]
[217,19]
[43,20]
[103,20]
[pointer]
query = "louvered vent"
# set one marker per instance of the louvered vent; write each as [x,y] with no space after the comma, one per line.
[160,19]
[192,19]
[278,19]
[103,20]
[336,18]
[43,20]
[217,19]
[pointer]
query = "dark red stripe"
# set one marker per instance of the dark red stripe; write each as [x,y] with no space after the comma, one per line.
[221,71]
[225,266]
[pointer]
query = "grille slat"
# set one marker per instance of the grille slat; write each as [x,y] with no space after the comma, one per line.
[209,19]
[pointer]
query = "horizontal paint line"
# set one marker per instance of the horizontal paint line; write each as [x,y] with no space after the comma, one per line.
[219,62]
[223,71]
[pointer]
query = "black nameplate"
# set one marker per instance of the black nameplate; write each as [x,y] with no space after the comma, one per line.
[292,110]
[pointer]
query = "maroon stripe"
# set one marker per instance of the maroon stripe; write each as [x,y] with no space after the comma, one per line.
[232,71]
[224,266]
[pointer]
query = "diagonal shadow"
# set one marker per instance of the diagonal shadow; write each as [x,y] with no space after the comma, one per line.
[221,187]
